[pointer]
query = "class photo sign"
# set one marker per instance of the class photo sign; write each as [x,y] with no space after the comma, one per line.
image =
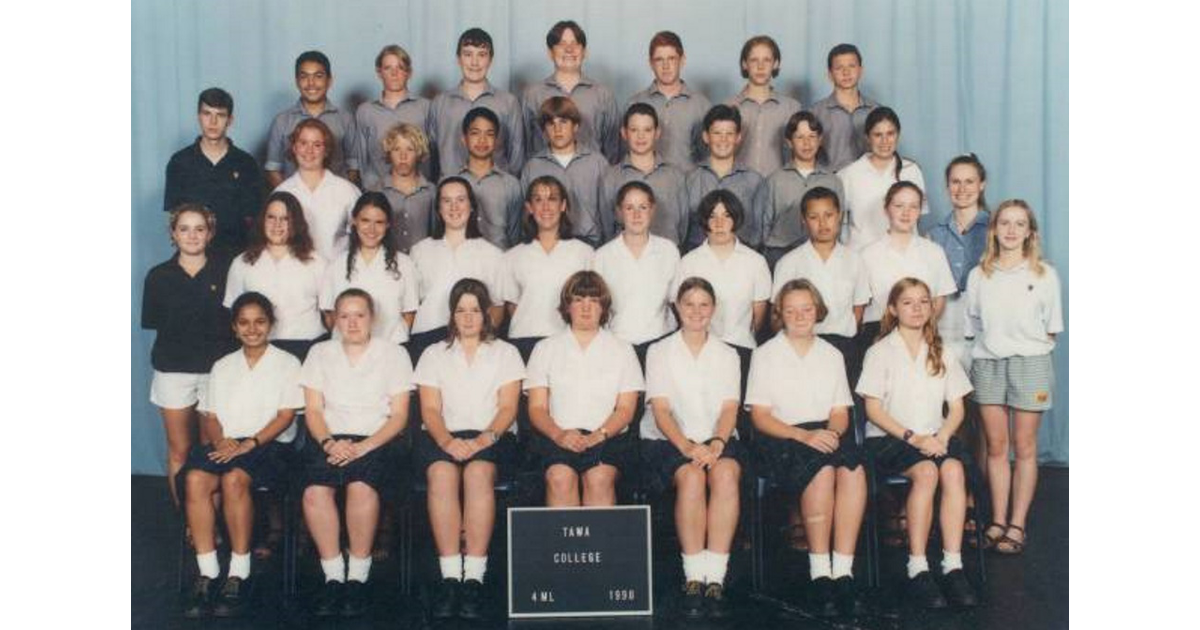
[579,562]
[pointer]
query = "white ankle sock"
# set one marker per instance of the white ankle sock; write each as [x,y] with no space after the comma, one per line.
[693,567]
[951,561]
[334,568]
[474,567]
[239,565]
[842,565]
[917,565]
[452,566]
[358,568]
[819,565]
[717,563]
[207,562]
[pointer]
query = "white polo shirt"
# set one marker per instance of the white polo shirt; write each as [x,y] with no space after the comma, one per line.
[470,389]
[865,187]
[533,280]
[246,399]
[357,396]
[740,281]
[1013,312]
[908,392]
[326,210]
[394,292]
[584,382]
[292,286]
[842,281]
[886,265]
[798,389]
[695,387]
[440,267]
[640,287]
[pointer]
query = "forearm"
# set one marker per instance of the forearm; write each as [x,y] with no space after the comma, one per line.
[882,419]
[727,422]
[665,421]
[277,425]
[839,420]
[767,424]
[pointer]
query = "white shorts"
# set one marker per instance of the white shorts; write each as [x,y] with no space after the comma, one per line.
[178,390]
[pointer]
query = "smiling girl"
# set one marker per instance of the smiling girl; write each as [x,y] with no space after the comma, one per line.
[867,179]
[325,197]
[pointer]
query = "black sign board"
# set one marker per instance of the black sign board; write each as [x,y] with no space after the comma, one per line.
[579,562]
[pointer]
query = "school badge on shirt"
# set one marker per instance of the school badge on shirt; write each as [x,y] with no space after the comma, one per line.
[1041,397]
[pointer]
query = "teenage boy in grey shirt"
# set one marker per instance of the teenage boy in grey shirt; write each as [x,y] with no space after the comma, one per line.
[721,169]
[844,112]
[641,132]
[395,105]
[498,193]
[314,76]
[680,110]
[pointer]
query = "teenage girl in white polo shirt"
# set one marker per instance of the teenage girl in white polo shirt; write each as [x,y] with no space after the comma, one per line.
[907,378]
[469,384]
[325,196]
[281,263]
[1014,311]
[866,180]
[689,443]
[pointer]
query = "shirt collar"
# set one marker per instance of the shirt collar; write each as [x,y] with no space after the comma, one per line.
[981,219]
[408,96]
[744,96]
[459,92]
[584,80]
[658,163]
[422,184]
[706,164]
[330,108]
[684,91]
[831,102]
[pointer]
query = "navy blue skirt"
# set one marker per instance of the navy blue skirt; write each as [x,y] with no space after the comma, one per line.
[618,451]
[503,453]
[376,469]
[661,460]
[792,465]
[264,464]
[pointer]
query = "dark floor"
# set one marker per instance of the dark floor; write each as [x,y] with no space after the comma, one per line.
[1028,592]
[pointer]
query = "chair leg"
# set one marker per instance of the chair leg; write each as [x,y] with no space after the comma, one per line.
[873,575]
[757,570]
[289,546]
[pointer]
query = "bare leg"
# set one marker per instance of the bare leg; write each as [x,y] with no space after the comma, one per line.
[362,517]
[479,512]
[924,477]
[816,505]
[180,426]
[239,509]
[953,511]
[1024,483]
[690,508]
[321,516]
[999,472]
[600,486]
[850,501]
[445,513]
[562,486]
[201,515]
[723,508]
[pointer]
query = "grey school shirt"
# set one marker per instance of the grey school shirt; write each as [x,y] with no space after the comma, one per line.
[777,204]
[344,152]
[601,124]
[667,181]
[412,213]
[501,201]
[741,181]
[582,177]
[844,138]
[681,119]
[762,148]
[373,120]
[445,127]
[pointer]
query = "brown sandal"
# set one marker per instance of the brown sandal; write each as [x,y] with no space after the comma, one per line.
[1014,547]
[989,540]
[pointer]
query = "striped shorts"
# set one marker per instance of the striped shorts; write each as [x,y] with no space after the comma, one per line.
[1024,383]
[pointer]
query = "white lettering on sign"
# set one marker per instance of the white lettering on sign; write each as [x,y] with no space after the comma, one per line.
[542,597]
[622,595]
[576,532]
[578,557]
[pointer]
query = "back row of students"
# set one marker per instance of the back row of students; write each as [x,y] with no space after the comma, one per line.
[678,142]
[580,394]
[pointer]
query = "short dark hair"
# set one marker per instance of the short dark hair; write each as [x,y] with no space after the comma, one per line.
[764,40]
[721,112]
[633,185]
[252,298]
[558,107]
[842,49]
[722,197]
[556,33]
[438,229]
[639,109]
[815,194]
[585,284]
[666,38]
[215,98]
[315,56]
[475,37]
[805,116]
[480,112]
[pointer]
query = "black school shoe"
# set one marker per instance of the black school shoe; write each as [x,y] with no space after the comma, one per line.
[470,600]
[233,599]
[924,591]
[692,602]
[356,599]
[845,594]
[821,597]
[958,590]
[715,602]
[199,598]
[329,599]
[445,600]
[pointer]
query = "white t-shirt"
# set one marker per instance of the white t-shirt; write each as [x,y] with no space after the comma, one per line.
[584,383]
[393,292]
[440,267]
[798,389]
[740,281]
[886,265]
[470,390]
[908,392]
[326,210]
[640,287]
[842,281]
[865,187]
[1013,312]
[292,286]
[246,399]
[533,280]
[357,396]
[695,387]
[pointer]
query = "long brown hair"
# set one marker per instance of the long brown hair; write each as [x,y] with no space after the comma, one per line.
[299,243]
[1031,249]
[933,361]
[470,286]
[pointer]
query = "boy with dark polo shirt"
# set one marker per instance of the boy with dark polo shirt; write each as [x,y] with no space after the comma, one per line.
[213,172]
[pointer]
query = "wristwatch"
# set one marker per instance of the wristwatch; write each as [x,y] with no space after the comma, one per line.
[492,436]
[908,433]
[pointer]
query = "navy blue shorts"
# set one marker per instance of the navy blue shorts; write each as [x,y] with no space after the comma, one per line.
[618,451]
[893,456]
[502,453]
[376,469]
[661,460]
[264,464]
[792,465]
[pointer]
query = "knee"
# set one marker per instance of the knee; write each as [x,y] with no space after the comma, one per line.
[725,475]
[997,444]
[852,480]
[561,479]
[600,479]
[177,454]
[361,494]
[198,485]
[924,475]
[441,474]
[1026,447]
[316,499]
[689,482]
[952,476]
[480,474]
[235,483]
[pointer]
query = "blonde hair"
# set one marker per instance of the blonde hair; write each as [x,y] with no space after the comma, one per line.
[933,361]
[413,134]
[210,218]
[1031,249]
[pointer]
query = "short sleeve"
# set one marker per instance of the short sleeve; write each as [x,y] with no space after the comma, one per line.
[428,366]
[841,391]
[785,270]
[658,378]
[399,376]
[235,283]
[943,278]
[957,383]
[291,396]
[210,401]
[632,379]
[757,390]
[537,373]
[350,143]
[328,291]
[973,323]
[512,368]
[862,282]
[731,376]
[873,381]
[152,306]
[276,144]
[411,279]
[510,289]
[762,280]
[312,373]
[1053,311]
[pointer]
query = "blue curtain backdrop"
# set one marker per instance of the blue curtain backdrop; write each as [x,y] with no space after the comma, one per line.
[986,76]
